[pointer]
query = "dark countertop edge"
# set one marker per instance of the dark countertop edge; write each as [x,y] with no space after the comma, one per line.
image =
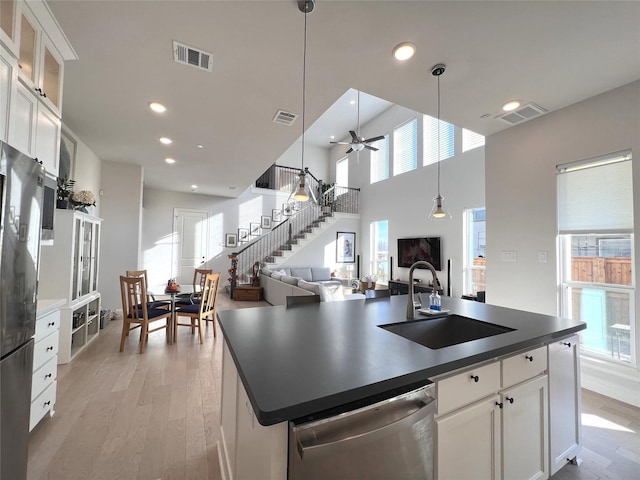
[387,388]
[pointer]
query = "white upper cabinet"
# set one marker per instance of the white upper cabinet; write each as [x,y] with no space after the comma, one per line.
[8,25]
[8,80]
[40,65]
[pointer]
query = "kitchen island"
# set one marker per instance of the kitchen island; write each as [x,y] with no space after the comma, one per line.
[290,364]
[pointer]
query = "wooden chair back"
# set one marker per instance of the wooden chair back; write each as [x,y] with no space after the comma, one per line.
[199,278]
[137,313]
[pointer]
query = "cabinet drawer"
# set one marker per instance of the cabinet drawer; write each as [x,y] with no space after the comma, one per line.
[523,366]
[45,349]
[42,404]
[465,388]
[47,324]
[43,377]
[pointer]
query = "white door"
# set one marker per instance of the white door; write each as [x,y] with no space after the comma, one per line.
[191,229]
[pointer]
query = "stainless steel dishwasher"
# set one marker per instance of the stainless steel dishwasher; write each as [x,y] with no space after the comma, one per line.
[389,439]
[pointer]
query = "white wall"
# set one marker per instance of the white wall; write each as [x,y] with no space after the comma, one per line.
[316,158]
[521,208]
[121,212]
[405,200]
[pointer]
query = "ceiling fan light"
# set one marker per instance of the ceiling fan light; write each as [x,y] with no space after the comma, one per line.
[404,51]
[357,147]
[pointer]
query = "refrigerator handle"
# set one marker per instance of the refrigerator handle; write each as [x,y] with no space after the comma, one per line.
[425,409]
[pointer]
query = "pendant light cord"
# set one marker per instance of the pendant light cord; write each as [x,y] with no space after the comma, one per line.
[304,82]
[438,135]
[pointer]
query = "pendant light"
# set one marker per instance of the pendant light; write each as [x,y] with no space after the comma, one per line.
[301,192]
[438,211]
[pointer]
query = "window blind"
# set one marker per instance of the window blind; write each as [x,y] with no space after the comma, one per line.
[430,140]
[596,195]
[380,160]
[405,147]
[471,140]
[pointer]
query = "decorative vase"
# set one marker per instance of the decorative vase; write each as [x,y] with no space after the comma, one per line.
[62,204]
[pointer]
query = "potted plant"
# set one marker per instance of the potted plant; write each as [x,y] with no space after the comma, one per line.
[64,191]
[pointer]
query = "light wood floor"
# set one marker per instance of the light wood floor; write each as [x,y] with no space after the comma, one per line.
[155,416]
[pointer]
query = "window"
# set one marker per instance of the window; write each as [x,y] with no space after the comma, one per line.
[405,147]
[475,249]
[379,250]
[595,223]
[430,137]
[342,172]
[471,140]
[380,160]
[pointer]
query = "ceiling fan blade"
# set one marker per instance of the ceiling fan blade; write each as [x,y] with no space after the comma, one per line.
[350,150]
[354,137]
[374,139]
[341,143]
[369,147]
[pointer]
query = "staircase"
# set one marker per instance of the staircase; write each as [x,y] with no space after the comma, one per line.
[295,231]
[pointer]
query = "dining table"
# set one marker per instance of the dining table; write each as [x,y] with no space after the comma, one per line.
[160,293]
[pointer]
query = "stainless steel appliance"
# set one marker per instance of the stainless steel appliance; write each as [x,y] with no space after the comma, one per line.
[21,184]
[390,439]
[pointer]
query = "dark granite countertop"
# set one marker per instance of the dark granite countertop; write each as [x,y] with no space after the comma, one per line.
[299,361]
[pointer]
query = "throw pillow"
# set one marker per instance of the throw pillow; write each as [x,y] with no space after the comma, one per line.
[331,293]
[312,287]
[289,279]
[302,272]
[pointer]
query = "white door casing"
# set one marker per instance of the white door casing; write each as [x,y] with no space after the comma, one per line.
[191,234]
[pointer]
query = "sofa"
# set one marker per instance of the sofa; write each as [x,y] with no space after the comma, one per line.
[281,282]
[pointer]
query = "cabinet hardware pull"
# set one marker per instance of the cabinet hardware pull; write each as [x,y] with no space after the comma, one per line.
[39,90]
[48,375]
[509,399]
[499,404]
[49,348]
[475,378]
[567,344]
[51,324]
[529,357]
[47,403]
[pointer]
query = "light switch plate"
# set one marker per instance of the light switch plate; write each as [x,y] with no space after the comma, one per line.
[542,257]
[509,256]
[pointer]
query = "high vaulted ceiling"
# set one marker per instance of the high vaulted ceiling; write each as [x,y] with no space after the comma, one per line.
[551,53]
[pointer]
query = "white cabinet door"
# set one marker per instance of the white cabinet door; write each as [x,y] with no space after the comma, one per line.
[228,415]
[48,139]
[8,79]
[22,120]
[468,445]
[564,402]
[261,452]
[525,430]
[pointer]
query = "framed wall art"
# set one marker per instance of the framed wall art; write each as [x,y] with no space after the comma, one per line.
[287,209]
[345,247]
[276,215]
[243,235]
[254,229]
[265,222]
[231,240]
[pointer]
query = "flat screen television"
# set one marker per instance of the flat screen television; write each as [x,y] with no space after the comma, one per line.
[411,250]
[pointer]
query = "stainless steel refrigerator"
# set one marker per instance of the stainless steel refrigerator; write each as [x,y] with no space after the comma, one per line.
[21,187]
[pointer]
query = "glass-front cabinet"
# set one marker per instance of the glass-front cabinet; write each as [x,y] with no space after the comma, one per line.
[69,270]
[8,27]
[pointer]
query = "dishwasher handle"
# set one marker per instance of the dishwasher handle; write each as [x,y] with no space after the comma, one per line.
[425,408]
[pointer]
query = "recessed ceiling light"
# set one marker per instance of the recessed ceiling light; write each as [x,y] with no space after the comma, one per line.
[404,51]
[200,145]
[165,140]
[157,107]
[194,186]
[332,137]
[170,161]
[352,102]
[512,105]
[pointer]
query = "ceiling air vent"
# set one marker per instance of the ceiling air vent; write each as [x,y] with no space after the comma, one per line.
[285,118]
[522,114]
[192,56]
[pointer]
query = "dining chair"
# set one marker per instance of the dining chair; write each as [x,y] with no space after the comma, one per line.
[203,311]
[293,300]
[151,299]
[137,314]
[199,277]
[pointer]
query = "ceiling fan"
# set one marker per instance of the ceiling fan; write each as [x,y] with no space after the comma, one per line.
[357,142]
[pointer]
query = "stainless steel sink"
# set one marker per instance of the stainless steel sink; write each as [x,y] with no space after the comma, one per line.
[445,331]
